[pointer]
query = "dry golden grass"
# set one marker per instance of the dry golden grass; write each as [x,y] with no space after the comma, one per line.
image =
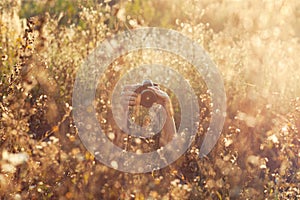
[255,45]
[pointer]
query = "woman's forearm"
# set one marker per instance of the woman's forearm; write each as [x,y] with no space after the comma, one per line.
[169,128]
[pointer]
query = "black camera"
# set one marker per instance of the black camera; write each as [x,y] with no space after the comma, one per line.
[148,97]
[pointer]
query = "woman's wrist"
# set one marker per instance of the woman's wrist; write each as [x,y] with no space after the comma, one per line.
[169,107]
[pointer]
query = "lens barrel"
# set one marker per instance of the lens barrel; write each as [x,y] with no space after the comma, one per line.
[148,97]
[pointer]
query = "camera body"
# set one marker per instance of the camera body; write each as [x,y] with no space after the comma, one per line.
[148,97]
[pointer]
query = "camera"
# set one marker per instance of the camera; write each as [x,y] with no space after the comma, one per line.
[148,97]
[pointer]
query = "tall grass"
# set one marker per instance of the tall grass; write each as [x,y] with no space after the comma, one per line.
[255,45]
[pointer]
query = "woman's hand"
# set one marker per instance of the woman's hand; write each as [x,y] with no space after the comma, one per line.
[130,98]
[163,99]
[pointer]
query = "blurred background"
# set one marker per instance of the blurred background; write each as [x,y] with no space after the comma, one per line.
[255,45]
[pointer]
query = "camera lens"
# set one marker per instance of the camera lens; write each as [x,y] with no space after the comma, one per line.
[148,97]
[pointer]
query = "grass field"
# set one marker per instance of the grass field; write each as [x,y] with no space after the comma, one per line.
[254,44]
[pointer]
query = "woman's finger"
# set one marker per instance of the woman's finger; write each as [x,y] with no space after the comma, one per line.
[128,93]
[128,100]
[130,87]
[162,97]
[158,91]
[156,87]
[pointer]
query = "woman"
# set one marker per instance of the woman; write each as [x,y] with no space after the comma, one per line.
[155,125]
